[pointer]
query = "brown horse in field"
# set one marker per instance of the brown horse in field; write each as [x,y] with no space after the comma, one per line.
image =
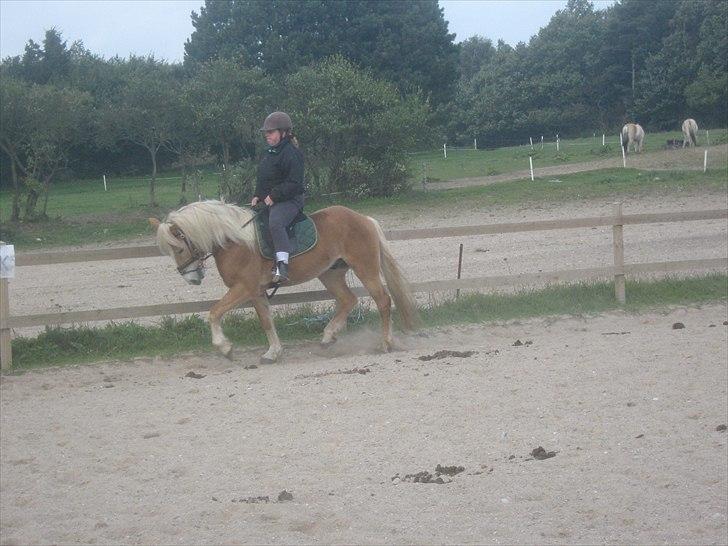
[690,132]
[345,238]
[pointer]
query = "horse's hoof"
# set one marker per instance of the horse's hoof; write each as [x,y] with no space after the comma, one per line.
[229,354]
[265,360]
[328,343]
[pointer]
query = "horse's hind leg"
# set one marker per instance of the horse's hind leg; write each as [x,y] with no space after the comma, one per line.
[262,307]
[335,282]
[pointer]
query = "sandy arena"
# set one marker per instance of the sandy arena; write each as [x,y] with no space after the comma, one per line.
[333,446]
[143,452]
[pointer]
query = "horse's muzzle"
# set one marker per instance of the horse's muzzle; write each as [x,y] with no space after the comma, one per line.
[194,276]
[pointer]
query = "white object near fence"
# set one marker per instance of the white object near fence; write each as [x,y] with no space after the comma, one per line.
[7,261]
[542,142]
[705,161]
[603,139]
[531,141]
[707,136]
[621,147]
[530,163]
[557,143]
[444,150]
[7,271]
[104,182]
[475,143]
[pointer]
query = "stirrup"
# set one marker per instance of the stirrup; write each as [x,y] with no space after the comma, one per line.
[280,273]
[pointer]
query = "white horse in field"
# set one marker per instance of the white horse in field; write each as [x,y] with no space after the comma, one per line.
[690,132]
[633,134]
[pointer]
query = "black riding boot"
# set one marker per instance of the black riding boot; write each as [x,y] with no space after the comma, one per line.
[281,272]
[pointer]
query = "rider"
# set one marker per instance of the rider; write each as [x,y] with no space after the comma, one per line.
[280,185]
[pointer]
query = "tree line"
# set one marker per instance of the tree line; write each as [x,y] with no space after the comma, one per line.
[365,82]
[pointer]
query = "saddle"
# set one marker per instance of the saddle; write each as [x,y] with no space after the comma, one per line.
[302,233]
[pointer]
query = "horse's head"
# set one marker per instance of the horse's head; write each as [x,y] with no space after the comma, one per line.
[190,260]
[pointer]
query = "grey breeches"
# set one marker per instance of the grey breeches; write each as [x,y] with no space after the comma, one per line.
[280,217]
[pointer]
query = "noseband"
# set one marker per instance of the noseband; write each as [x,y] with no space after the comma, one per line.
[196,255]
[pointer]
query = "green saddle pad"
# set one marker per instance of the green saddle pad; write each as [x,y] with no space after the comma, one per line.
[303,236]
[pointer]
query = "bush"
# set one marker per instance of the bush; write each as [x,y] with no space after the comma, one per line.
[237,182]
[354,129]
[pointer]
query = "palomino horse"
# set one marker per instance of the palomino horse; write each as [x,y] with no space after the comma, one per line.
[346,239]
[633,134]
[690,132]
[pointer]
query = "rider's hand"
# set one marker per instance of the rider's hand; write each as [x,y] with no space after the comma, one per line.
[268,201]
[254,201]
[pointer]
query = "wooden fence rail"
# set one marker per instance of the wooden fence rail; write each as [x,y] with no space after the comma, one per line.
[617,271]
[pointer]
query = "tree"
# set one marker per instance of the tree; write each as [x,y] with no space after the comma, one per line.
[227,103]
[143,112]
[404,41]
[688,75]
[40,126]
[353,128]
[14,133]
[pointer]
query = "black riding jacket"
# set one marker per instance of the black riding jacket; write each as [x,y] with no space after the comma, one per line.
[280,173]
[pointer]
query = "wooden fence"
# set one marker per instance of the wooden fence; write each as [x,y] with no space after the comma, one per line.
[618,271]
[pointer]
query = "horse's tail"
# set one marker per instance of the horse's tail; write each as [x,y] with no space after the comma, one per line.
[397,285]
[625,137]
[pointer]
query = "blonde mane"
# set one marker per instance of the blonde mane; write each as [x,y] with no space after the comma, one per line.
[207,224]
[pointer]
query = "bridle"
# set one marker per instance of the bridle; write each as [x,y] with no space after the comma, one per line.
[196,255]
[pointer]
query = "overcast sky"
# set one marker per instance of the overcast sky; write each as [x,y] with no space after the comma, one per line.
[121,27]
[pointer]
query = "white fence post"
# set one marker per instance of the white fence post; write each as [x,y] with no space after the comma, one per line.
[621,147]
[530,163]
[557,142]
[104,182]
[542,142]
[444,150]
[531,141]
[705,161]
[6,347]
[603,142]
[475,143]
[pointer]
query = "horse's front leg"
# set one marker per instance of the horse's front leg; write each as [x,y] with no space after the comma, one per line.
[234,297]
[275,349]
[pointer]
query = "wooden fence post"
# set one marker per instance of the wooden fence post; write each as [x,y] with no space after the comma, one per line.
[618,244]
[6,348]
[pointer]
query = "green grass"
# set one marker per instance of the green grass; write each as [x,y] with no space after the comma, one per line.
[617,184]
[466,163]
[81,344]
[608,183]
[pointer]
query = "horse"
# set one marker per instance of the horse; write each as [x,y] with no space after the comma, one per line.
[346,240]
[633,134]
[690,132]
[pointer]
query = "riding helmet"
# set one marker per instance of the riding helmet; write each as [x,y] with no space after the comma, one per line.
[277,120]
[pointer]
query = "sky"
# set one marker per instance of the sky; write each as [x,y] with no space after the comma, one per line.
[141,27]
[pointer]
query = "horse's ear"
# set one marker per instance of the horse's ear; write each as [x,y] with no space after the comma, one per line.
[154,223]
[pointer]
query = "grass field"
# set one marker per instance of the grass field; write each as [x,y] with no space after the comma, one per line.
[82,212]
[117,341]
[466,163]
[127,222]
